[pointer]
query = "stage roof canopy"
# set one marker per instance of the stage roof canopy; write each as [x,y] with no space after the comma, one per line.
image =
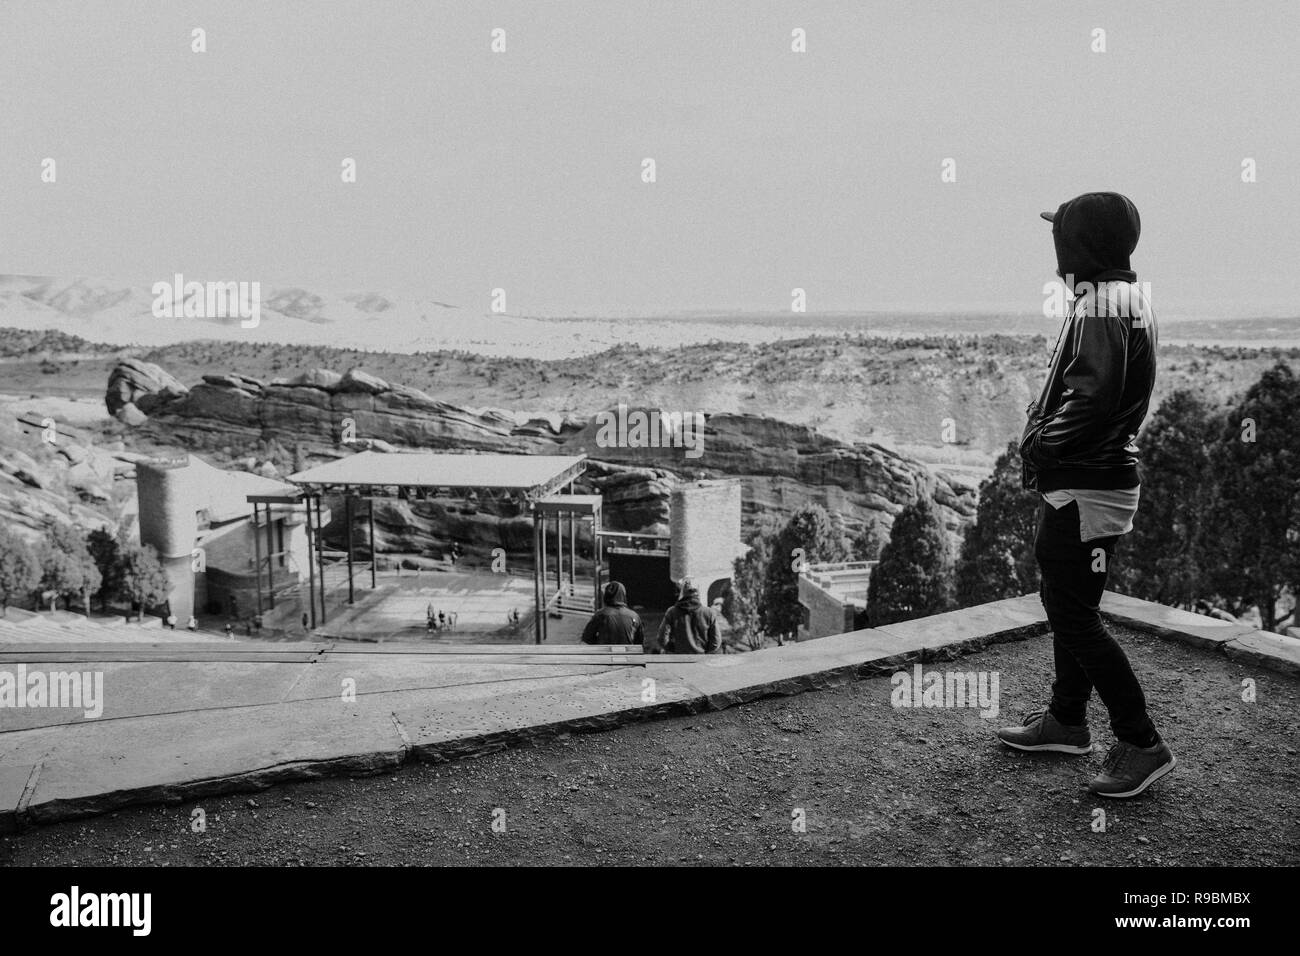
[534,475]
[570,504]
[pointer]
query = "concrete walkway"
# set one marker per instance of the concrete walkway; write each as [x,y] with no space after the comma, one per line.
[181,721]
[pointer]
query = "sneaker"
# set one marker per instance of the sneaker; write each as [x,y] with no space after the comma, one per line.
[1128,770]
[1042,731]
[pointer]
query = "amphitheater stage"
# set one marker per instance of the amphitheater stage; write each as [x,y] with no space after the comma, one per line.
[396,610]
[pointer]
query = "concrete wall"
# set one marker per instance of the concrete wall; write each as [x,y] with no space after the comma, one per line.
[704,517]
[169,522]
[168,511]
[180,571]
[231,547]
[231,556]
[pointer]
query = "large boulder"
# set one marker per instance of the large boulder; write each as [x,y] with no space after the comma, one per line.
[407,398]
[143,385]
[357,380]
[130,415]
[89,484]
[221,403]
[321,378]
[24,468]
[233,380]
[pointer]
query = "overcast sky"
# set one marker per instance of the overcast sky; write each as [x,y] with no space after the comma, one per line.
[775,169]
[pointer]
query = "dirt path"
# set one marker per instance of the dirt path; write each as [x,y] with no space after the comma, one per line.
[878,785]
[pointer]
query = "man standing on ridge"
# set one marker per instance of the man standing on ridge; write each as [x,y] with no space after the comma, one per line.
[1077,451]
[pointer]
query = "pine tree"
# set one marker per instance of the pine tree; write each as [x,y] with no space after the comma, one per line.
[997,551]
[915,575]
[67,568]
[745,605]
[144,579]
[811,536]
[20,572]
[1254,526]
[106,551]
[865,544]
[1164,559]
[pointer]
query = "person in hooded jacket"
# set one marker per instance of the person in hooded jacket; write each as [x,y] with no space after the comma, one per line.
[615,622]
[1078,453]
[688,626]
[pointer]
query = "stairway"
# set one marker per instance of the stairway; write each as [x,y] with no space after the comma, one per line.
[578,598]
[27,627]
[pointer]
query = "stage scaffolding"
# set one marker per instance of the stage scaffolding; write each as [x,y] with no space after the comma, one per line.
[533,481]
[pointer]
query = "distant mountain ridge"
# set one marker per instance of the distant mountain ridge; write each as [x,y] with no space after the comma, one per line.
[122,315]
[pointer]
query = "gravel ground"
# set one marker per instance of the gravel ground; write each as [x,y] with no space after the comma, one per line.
[876,784]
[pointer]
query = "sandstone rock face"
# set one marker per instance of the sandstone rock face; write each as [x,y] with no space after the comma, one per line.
[23,468]
[322,378]
[782,466]
[131,416]
[41,484]
[356,380]
[141,384]
[638,497]
[233,381]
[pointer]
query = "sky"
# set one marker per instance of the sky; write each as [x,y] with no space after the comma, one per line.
[522,170]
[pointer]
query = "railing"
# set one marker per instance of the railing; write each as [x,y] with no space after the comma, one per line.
[572,600]
[636,543]
[830,566]
[840,577]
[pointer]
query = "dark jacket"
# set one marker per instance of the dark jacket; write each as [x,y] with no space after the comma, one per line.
[615,623]
[689,627]
[1081,430]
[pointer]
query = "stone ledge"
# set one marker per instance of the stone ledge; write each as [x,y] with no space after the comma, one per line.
[1263,649]
[356,765]
[1239,641]
[89,768]
[948,635]
[94,767]
[442,731]
[1195,629]
[14,781]
[841,658]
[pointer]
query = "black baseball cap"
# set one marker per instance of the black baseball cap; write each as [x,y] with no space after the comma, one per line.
[1093,233]
[1104,205]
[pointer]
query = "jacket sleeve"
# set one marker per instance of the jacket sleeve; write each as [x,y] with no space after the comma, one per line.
[1028,471]
[638,633]
[665,627]
[712,641]
[1093,387]
[589,633]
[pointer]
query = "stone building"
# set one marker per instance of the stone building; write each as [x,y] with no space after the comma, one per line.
[198,518]
[704,523]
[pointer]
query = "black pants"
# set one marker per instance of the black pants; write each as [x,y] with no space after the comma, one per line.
[1087,657]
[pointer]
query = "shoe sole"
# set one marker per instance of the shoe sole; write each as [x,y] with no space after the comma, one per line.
[1052,748]
[1155,775]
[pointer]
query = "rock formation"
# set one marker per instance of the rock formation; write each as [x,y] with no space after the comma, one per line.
[782,466]
[68,482]
[136,388]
